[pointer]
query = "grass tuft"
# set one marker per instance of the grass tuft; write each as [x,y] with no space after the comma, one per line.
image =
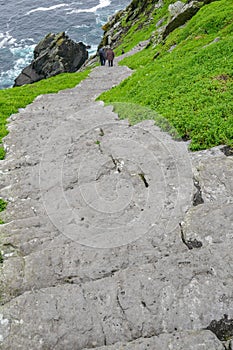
[3,205]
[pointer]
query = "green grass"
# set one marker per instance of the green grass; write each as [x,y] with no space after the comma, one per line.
[191,86]
[136,113]
[19,97]
[3,205]
[143,26]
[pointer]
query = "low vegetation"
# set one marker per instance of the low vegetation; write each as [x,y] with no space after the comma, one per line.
[187,79]
[3,205]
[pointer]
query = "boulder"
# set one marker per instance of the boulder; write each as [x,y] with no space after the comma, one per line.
[176,8]
[54,54]
[181,14]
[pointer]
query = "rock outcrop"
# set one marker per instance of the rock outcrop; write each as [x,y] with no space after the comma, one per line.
[54,54]
[178,14]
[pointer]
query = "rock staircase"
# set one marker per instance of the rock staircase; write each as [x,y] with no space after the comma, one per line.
[102,245]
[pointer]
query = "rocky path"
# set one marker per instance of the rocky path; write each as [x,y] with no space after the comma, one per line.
[116,237]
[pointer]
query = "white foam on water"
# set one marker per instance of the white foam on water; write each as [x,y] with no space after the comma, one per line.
[22,57]
[102,4]
[81,26]
[92,50]
[14,36]
[25,52]
[101,19]
[6,40]
[46,8]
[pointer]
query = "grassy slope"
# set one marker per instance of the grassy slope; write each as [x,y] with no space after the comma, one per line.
[191,86]
[14,98]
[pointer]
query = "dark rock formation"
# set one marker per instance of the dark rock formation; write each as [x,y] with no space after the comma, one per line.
[113,30]
[222,328]
[54,54]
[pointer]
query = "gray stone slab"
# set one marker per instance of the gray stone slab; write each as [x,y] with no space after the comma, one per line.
[177,341]
[105,244]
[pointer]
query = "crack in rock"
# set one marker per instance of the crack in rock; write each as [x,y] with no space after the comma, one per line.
[142,176]
[117,163]
[227,150]
[191,243]
[223,329]
[197,197]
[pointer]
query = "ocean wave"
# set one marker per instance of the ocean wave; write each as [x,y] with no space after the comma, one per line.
[101,19]
[6,79]
[92,50]
[19,33]
[102,4]
[22,56]
[6,40]
[81,26]
[25,52]
[46,8]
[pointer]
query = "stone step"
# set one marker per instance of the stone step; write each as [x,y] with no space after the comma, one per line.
[104,245]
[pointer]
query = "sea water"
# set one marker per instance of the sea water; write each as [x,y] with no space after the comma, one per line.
[24,23]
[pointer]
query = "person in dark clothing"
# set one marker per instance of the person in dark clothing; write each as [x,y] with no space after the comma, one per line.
[110,56]
[102,55]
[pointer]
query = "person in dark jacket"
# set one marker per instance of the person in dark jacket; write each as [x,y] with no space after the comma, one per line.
[110,56]
[102,55]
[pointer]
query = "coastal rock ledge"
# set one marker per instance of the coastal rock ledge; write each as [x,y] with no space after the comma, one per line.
[55,54]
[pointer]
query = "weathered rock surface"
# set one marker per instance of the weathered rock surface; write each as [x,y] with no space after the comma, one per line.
[180,15]
[54,54]
[177,15]
[175,341]
[100,242]
[113,29]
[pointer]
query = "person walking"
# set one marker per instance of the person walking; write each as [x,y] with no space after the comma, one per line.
[110,56]
[102,55]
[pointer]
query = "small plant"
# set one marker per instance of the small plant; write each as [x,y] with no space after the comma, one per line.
[3,205]
[2,153]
